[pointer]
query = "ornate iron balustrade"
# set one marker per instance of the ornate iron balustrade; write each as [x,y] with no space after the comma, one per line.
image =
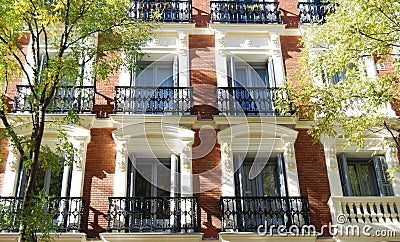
[248,101]
[79,98]
[312,12]
[153,214]
[66,213]
[245,12]
[153,100]
[248,213]
[169,10]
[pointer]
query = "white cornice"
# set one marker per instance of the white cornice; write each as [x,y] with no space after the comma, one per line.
[245,28]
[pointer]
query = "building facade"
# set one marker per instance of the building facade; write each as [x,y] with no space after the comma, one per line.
[191,148]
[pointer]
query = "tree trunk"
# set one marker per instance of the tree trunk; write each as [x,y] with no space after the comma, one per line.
[26,234]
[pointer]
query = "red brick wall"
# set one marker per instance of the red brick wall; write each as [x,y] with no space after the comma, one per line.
[291,55]
[201,12]
[313,178]
[203,76]
[289,13]
[3,157]
[23,43]
[208,180]
[99,180]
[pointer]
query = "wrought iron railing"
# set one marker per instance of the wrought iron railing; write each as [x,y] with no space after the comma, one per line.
[245,12]
[246,101]
[248,213]
[77,98]
[166,10]
[66,214]
[153,100]
[153,214]
[312,12]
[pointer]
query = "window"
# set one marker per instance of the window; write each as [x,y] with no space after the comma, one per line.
[250,74]
[250,88]
[54,182]
[150,178]
[364,177]
[154,87]
[269,182]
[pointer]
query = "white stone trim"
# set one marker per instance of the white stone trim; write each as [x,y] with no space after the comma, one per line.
[381,144]
[270,138]
[168,141]
[78,136]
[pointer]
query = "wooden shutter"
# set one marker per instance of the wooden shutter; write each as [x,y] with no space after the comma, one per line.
[385,187]
[344,175]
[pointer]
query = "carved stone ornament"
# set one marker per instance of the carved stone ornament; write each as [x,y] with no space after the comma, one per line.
[247,43]
[227,157]
[220,37]
[156,42]
[186,157]
[80,148]
[330,155]
[183,39]
[391,152]
[122,157]
[277,53]
[13,163]
[290,156]
[275,40]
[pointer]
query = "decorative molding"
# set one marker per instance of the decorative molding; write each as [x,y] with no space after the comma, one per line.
[80,150]
[247,43]
[330,155]
[227,157]
[183,40]
[13,163]
[289,155]
[220,39]
[275,40]
[186,157]
[122,156]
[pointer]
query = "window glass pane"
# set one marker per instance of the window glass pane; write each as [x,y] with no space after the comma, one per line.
[269,181]
[368,180]
[163,180]
[354,181]
[264,184]
[142,185]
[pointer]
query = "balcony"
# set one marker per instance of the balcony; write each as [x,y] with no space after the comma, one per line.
[153,214]
[379,213]
[153,100]
[246,214]
[253,12]
[77,98]
[312,12]
[246,101]
[66,213]
[170,10]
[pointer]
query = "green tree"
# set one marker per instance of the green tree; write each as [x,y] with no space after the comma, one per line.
[63,36]
[334,88]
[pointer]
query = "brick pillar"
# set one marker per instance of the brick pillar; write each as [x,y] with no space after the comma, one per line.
[99,180]
[3,156]
[201,12]
[207,186]
[289,13]
[313,178]
[203,77]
